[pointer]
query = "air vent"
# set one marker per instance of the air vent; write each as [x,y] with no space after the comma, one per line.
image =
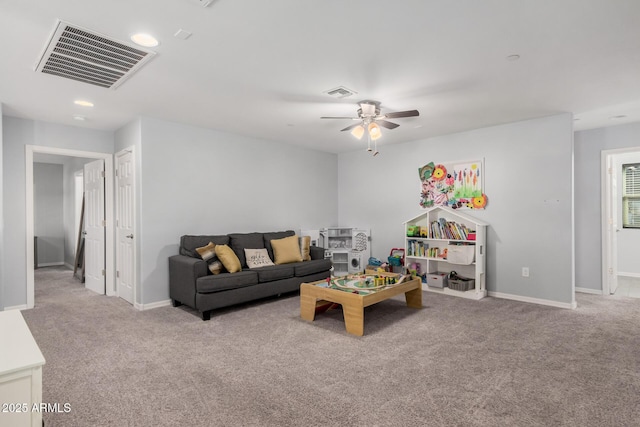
[79,54]
[340,92]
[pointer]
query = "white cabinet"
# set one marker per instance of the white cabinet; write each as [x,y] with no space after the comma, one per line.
[438,231]
[20,372]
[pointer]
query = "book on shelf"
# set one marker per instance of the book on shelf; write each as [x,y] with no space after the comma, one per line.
[416,248]
[443,229]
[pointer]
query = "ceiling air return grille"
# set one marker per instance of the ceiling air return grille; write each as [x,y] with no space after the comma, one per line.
[79,54]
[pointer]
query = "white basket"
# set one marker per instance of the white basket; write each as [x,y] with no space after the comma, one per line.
[461,254]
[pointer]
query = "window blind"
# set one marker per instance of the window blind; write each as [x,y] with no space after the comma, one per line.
[631,195]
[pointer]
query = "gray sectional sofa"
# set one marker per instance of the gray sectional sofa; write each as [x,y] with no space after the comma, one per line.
[191,283]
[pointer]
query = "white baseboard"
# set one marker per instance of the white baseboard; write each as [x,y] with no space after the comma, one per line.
[16,307]
[50,264]
[629,274]
[69,266]
[589,291]
[571,306]
[152,305]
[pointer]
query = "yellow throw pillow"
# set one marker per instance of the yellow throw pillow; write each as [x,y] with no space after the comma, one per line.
[305,243]
[286,250]
[229,258]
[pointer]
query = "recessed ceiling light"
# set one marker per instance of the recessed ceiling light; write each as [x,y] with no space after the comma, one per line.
[145,40]
[83,103]
[621,116]
[513,57]
[79,118]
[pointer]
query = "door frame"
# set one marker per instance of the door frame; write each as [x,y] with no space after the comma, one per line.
[109,198]
[609,243]
[120,153]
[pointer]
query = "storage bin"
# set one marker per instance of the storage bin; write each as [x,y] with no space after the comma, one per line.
[437,280]
[461,254]
[461,284]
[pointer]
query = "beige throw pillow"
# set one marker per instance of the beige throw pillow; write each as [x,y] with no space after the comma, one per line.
[305,243]
[208,253]
[286,250]
[257,258]
[215,267]
[229,258]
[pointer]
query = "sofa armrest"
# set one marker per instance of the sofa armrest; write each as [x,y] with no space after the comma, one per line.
[183,273]
[316,252]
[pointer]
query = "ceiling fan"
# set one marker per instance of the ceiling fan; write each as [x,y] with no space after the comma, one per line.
[370,119]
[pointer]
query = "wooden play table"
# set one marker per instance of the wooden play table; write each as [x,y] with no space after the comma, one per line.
[354,300]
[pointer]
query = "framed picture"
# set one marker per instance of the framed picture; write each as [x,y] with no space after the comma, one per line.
[457,185]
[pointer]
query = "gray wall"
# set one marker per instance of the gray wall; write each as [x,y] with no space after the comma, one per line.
[200,181]
[528,166]
[48,213]
[223,196]
[17,133]
[588,147]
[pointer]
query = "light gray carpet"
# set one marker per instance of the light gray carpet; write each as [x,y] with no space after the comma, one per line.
[453,363]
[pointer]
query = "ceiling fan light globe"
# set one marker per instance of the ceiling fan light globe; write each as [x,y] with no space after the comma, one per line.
[358,131]
[374,131]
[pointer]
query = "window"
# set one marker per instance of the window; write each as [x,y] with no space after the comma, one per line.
[631,195]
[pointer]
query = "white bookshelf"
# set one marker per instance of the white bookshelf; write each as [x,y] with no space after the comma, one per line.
[430,240]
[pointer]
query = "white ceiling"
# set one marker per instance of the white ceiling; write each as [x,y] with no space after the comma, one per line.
[259,68]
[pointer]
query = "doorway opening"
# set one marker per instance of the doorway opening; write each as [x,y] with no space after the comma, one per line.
[620,271]
[109,227]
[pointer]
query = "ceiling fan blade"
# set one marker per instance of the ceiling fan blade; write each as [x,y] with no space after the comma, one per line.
[386,124]
[350,118]
[398,114]
[350,127]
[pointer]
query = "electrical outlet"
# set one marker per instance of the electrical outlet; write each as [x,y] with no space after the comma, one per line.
[525,271]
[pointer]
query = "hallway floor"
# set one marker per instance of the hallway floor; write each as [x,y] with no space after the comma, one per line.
[628,287]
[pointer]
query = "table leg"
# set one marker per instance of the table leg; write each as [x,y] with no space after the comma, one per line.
[353,319]
[307,307]
[414,298]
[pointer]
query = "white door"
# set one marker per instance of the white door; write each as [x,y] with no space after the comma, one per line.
[611,190]
[94,226]
[125,233]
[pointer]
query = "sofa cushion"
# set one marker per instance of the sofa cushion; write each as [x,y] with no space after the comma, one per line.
[257,258]
[268,237]
[311,267]
[274,272]
[286,250]
[188,243]
[226,281]
[228,258]
[241,241]
[316,252]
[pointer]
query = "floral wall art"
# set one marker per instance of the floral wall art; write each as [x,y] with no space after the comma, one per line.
[456,185]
